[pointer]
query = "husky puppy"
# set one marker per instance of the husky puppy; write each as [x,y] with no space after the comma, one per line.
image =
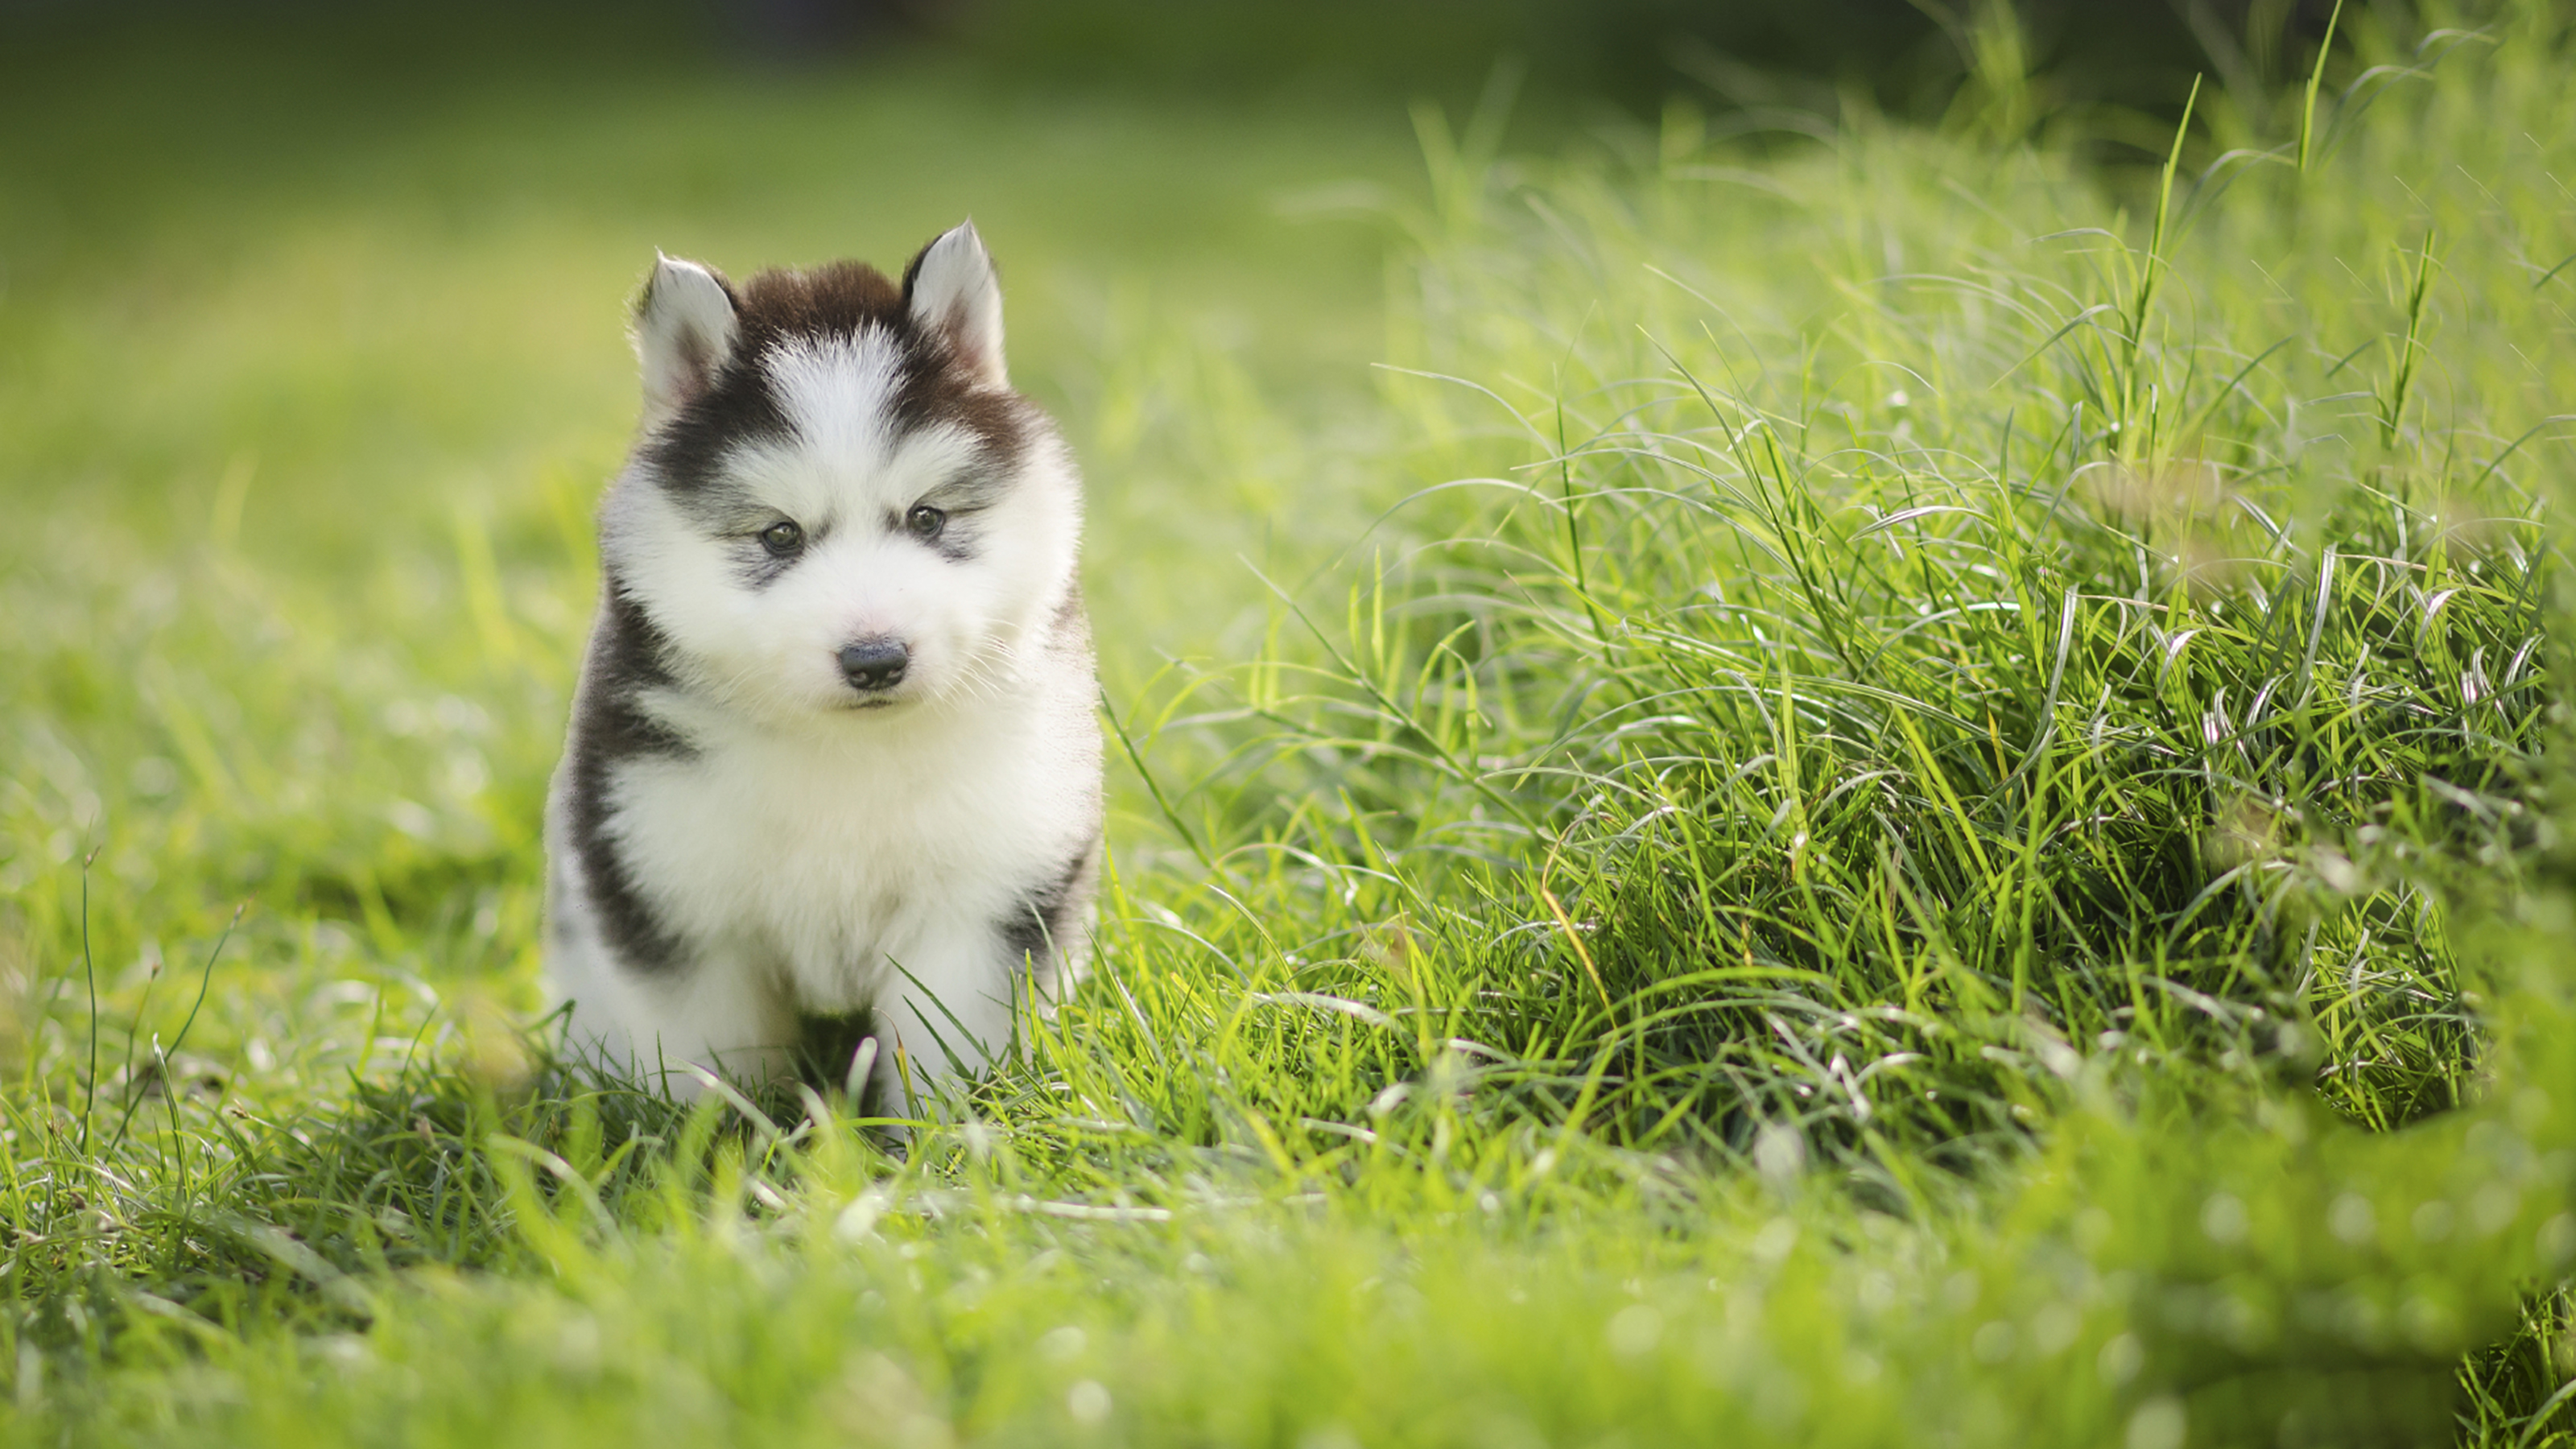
[833,756]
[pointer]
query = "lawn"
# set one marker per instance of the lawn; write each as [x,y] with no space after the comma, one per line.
[1782,775]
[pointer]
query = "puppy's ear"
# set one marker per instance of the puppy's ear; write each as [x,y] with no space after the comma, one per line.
[684,331]
[952,292]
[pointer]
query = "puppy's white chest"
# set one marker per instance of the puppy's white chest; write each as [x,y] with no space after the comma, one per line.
[822,866]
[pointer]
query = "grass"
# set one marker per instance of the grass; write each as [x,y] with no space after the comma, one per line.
[1892,786]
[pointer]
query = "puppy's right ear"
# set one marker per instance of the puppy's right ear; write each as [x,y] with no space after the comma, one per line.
[684,331]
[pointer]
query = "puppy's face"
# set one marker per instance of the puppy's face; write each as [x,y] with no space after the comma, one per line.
[839,507]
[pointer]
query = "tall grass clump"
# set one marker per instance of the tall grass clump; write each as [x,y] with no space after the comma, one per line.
[1913,617]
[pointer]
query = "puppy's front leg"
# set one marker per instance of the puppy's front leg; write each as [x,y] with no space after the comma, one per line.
[721,1014]
[943,1013]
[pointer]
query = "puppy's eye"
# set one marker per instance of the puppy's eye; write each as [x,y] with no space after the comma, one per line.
[925,521]
[782,538]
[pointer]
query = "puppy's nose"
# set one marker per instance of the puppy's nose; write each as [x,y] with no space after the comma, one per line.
[875,663]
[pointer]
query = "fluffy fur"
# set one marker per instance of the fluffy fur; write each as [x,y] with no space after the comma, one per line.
[833,768]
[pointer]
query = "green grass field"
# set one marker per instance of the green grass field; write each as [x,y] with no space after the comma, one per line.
[1781,779]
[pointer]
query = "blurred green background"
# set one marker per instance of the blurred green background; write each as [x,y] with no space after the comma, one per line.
[311,280]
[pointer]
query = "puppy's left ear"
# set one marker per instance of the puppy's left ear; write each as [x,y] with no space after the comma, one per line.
[953,293]
[684,331]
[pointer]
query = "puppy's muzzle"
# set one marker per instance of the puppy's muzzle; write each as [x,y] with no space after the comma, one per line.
[873,665]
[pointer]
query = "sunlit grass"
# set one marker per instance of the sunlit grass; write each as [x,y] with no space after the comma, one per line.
[1892,789]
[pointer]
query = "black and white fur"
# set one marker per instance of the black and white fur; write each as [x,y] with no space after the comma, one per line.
[834,750]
